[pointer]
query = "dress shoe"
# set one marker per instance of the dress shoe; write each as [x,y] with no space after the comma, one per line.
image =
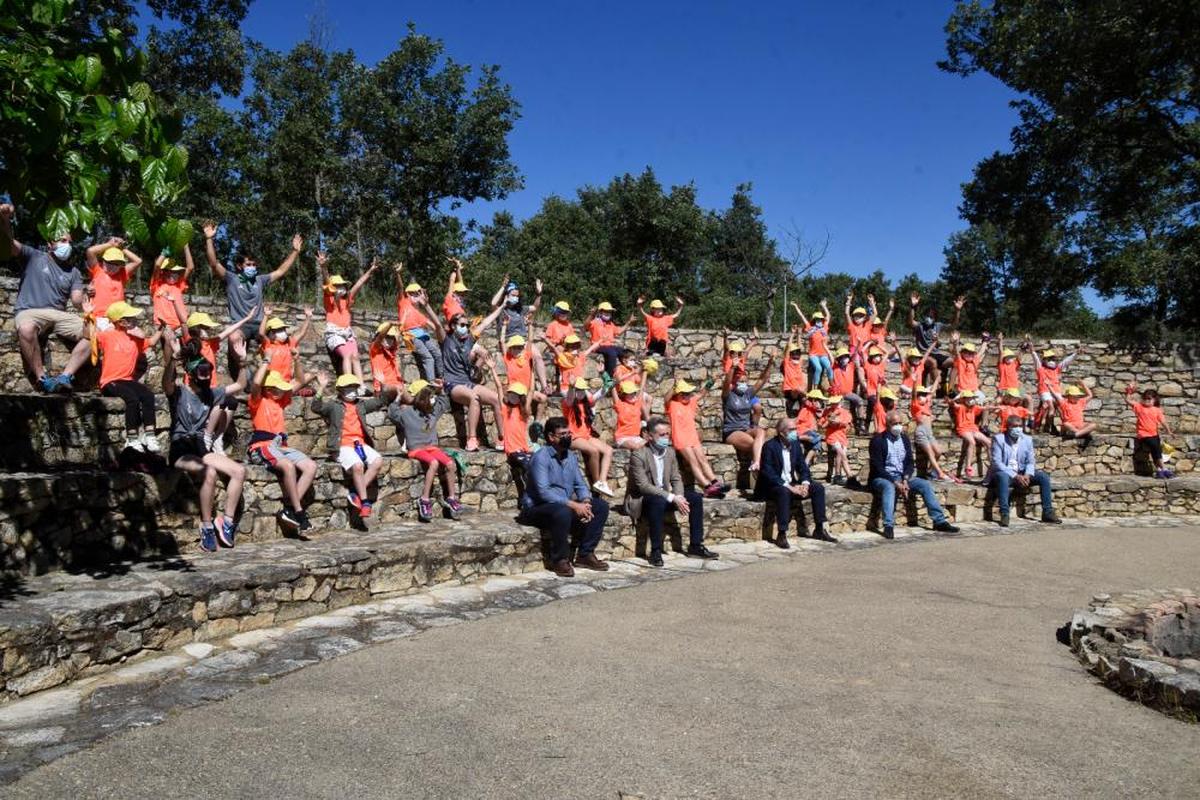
[1051,519]
[591,562]
[1004,520]
[655,559]
[820,533]
[562,569]
[945,527]
[700,551]
[781,542]
[889,532]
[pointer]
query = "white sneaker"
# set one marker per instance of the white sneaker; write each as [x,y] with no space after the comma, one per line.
[218,443]
[135,444]
[602,488]
[150,443]
[208,442]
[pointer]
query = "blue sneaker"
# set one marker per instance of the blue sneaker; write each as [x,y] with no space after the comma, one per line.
[63,383]
[208,538]
[228,532]
[47,383]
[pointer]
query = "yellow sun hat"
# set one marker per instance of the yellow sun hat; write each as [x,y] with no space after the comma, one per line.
[198,319]
[876,320]
[841,351]
[516,387]
[335,280]
[886,394]
[649,366]
[516,340]
[683,387]
[275,324]
[628,387]
[580,383]
[968,347]
[1074,391]
[967,393]
[913,352]
[923,389]
[412,287]
[572,338]
[458,286]
[818,315]
[874,351]
[388,328]
[605,306]
[1013,391]
[113,255]
[276,381]
[1049,353]
[171,265]
[657,304]
[737,346]
[1007,353]
[816,394]
[347,379]
[859,310]
[416,386]
[834,399]
[122,310]
[563,306]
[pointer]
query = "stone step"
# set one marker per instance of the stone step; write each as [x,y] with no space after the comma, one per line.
[68,625]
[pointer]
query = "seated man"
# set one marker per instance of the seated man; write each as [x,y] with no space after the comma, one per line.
[562,504]
[1013,463]
[655,485]
[782,475]
[892,472]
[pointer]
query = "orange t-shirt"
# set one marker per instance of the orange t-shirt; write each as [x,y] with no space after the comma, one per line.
[1148,420]
[967,372]
[163,295]
[657,328]
[875,375]
[120,352]
[1049,380]
[921,408]
[208,351]
[843,379]
[794,378]
[409,316]
[816,340]
[806,419]
[279,355]
[602,333]
[519,369]
[682,416]
[629,417]
[106,289]
[383,367]
[858,334]
[1004,412]
[451,306]
[736,363]
[557,331]
[266,413]
[880,418]
[1071,409]
[966,418]
[337,309]
[1009,374]
[836,423]
[352,429]
[577,422]
[912,375]
[516,435]
[570,367]
[624,373]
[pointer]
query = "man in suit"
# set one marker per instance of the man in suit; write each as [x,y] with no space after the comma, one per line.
[892,473]
[783,476]
[1013,463]
[654,485]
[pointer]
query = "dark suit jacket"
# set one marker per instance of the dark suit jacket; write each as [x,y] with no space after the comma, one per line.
[878,450]
[770,467]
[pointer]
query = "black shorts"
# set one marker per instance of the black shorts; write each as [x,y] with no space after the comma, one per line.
[250,332]
[1153,445]
[657,346]
[186,446]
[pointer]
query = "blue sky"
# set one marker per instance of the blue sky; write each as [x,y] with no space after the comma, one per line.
[836,112]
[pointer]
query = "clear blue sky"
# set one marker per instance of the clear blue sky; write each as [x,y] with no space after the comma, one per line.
[836,112]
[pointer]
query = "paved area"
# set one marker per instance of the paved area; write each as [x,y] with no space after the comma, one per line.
[918,671]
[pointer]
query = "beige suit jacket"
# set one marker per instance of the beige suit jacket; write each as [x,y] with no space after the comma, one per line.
[641,479]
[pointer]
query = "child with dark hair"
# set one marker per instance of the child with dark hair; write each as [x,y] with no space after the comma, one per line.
[1150,418]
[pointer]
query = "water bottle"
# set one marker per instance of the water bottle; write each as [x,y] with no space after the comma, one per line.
[360,452]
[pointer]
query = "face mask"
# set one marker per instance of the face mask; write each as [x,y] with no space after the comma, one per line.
[927,322]
[514,301]
[662,442]
[462,330]
[859,320]
[606,317]
[792,436]
[564,442]
[1051,364]
[172,277]
[876,359]
[250,272]
[742,387]
[796,356]
[281,336]
[389,342]
[843,361]
[818,324]
[516,353]
[1014,434]
[343,292]
[62,251]
[350,396]
[896,430]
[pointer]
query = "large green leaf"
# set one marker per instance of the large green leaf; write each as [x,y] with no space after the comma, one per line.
[154,170]
[182,235]
[88,72]
[135,225]
[85,188]
[58,222]
[176,160]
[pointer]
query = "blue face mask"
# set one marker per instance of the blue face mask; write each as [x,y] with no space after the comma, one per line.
[663,442]
[792,436]
[62,251]
[250,272]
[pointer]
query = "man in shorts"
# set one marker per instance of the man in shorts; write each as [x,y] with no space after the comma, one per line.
[48,283]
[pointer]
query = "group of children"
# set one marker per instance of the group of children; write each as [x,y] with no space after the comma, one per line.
[832,390]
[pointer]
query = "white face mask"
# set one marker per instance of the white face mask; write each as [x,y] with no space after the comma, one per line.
[281,336]
[742,387]
[62,251]
[1014,434]
[350,396]
[461,330]
[896,430]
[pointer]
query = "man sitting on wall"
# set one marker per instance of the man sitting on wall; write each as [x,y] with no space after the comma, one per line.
[1013,463]
[892,473]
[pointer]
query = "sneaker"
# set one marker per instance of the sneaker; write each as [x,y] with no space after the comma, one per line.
[452,505]
[208,442]
[355,501]
[713,490]
[603,488]
[290,518]
[1004,520]
[499,446]
[208,538]
[135,444]
[1168,474]
[227,531]
[424,510]
[945,527]
[365,511]
[472,445]
[46,383]
[307,391]
[63,383]
[150,443]
[889,532]
[655,559]
[305,525]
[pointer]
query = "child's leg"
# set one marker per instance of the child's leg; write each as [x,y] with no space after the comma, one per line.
[431,472]
[286,472]
[964,454]
[236,473]
[539,368]
[760,437]
[606,457]
[370,474]
[702,462]
[307,472]
[208,491]
[358,479]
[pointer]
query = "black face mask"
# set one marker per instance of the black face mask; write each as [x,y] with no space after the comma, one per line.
[563,442]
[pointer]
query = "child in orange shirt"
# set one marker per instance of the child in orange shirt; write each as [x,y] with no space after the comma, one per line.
[515,415]
[570,358]
[1150,418]
[384,356]
[837,421]
[921,409]
[1049,379]
[1011,404]
[681,406]
[1070,409]
[278,347]
[820,364]
[270,395]
[873,376]
[167,287]
[975,442]
[966,364]
[794,365]
[658,324]
[110,265]
[518,357]
[337,299]
[578,408]
[733,354]
[455,301]
[1008,369]
[633,411]
[808,421]
[121,346]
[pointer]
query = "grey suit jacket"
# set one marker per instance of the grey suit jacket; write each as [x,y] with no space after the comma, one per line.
[641,482]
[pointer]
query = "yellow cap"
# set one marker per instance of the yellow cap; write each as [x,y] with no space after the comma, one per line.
[412,287]
[1049,354]
[874,351]
[171,265]
[650,366]
[275,324]
[580,383]
[876,320]
[886,394]
[1007,353]
[336,280]
[923,389]
[516,387]
[516,340]
[458,286]
[657,304]
[198,319]
[913,353]
[416,386]
[858,311]
[968,347]
[737,346]
[834,399]
[605,306]
[572,338]
[388,328]
[683,387]
[562,305]
[818,315]
[113,255]
[122,310]
[1074,391]
[347,379]
[841,351]
[276,381]
[816,394]
[967,393]
[628,387]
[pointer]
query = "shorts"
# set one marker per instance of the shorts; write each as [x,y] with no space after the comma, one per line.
[348,459]
[186,447]
[271,452]
[1153,445]
[431,454]
[63,324]
[923,435]
[636,441]
[657,346]
[450,386]
[341,340]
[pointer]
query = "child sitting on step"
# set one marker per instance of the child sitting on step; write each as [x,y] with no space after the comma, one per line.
[837,439]
[1070,409]
[270,395]
[1049,379]
[121,347]
[417,421]
[167,286]
[349,440]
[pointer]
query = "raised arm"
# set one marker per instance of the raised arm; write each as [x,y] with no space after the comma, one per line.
[262,323]
[849,302]
[256,387]
[486,321]
[304,326]
[678,305]
[800,314]
[286,264]
[887,321]
[537,298]
[132,261]
[621,330]
[765,374]
[91,256]
[210,250]
[959,302]
[362,280]
[914,300]
[189,264]
[828,316]
[323,266]
[228,330]
[439,330]
[498,297]
[7,243]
